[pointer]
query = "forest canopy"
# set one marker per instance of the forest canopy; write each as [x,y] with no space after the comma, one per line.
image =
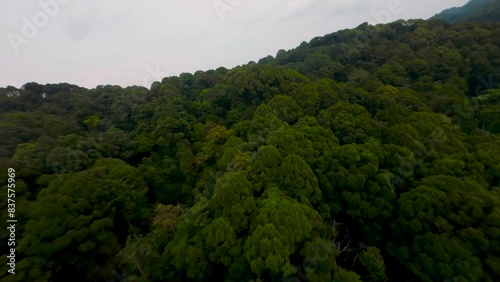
[368,154]
[473,11]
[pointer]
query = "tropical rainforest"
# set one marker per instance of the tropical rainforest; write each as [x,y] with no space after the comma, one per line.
[369,154]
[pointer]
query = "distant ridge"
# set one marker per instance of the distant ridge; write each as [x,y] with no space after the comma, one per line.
[473,11]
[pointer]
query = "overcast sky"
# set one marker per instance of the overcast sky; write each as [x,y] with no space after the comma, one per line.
[125,42]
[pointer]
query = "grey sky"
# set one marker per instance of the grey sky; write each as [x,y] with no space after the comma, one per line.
[125,42]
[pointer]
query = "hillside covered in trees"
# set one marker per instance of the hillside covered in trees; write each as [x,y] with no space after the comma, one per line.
[473,11]
[369,154]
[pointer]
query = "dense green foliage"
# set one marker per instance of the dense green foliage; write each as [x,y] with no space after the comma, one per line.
[369,154]
[474,11]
